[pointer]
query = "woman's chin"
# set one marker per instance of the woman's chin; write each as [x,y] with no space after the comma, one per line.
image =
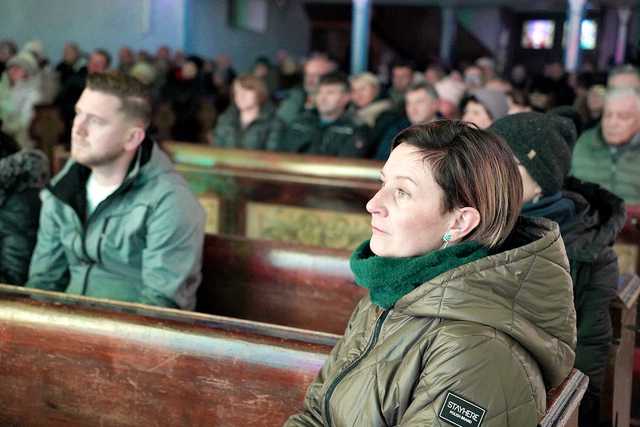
[379,247]
[374,245]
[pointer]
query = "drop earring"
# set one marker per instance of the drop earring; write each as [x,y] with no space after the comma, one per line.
[446,237]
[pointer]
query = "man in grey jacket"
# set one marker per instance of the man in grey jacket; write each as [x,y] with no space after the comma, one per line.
[118,222]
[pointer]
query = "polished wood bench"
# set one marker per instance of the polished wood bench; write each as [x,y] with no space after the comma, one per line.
[628,249]
[274,282]
[311,200]
[75,361]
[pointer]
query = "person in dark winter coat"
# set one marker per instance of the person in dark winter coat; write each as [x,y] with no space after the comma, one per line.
[469,313]
[589,217]
[251,121]
[331,130]
[22,175]
[185,91]
[300,100]
[420,107]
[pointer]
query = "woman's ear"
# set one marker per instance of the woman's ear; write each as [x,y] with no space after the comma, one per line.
[465,220]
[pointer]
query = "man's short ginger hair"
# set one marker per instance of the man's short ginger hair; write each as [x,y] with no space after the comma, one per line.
[475,168]
[134,96]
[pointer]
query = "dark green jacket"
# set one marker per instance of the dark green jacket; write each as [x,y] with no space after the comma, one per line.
[141,244]
[264,133]
[344,137]
[18,231]
[293,106]
[22,175]
[494,332]
[615,168]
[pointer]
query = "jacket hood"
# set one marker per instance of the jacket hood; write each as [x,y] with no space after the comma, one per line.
[21,171]
[523,289]
[600,216]
[149,163]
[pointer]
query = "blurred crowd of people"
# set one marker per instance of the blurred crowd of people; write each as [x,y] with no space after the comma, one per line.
[311,106]
[190,86]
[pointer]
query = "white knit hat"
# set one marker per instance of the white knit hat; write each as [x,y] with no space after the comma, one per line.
[450,90]
[24,60]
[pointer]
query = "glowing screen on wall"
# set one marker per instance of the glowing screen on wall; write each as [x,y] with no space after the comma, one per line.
[538,34]
[588,34]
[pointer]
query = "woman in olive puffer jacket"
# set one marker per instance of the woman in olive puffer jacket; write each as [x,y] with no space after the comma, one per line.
[469,316]
[22,175]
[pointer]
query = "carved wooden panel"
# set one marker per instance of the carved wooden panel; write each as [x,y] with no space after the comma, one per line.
[627,257]
[211,205]
[309,226]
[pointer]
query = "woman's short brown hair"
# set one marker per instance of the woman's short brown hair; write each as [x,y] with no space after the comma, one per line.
[475,168]
[256,84]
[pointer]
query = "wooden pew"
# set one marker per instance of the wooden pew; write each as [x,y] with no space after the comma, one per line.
[322,167]
[312,200]
[628,249]
[74,361]
[616,395]
[275,282]
[628,243]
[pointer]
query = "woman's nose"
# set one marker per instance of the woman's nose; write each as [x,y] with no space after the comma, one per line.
[375,205]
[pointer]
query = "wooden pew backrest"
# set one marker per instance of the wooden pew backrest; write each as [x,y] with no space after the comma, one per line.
[333,168]
[76,361]
[311,200]
[628,243]
[273,282]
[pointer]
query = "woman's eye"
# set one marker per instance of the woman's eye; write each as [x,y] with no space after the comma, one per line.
[401,194]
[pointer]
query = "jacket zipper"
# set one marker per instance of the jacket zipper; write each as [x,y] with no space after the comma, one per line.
[83,236]
[372,341]
[85,227]
[85,282]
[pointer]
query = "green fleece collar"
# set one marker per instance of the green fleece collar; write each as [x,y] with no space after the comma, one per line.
[389,279]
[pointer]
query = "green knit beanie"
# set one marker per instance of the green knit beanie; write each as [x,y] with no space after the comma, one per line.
[541,143]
